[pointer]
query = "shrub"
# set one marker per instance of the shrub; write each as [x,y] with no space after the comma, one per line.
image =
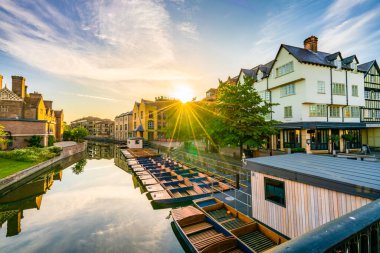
[55,150]
[51,140]
[67,135]
[298,150]
[35,141]
[30,154]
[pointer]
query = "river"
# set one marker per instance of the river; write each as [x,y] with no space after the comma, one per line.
[89,206]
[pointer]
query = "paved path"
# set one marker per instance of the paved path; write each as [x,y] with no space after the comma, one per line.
[64,144]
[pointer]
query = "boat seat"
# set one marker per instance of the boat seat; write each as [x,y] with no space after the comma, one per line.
[202,235]
[196,228]
[177,194]
[208,241]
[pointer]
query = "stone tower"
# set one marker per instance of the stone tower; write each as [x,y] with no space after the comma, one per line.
[18,86]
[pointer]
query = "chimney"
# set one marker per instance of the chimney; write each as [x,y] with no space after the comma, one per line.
[1,82]
[311,43]
[18,86]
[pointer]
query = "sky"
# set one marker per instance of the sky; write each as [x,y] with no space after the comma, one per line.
[98,57]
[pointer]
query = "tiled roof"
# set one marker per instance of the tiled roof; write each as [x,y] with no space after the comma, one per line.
[6,94]
[365,67]
[308,56]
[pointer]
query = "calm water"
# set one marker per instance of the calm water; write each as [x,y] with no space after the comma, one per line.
[91,206]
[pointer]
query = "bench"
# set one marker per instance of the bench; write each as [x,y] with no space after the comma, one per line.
[196,228]
[208,241]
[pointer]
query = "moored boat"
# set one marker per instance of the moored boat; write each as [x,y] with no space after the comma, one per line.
[203,234]
[254,235]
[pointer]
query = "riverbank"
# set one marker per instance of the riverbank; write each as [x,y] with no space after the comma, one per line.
[65,153]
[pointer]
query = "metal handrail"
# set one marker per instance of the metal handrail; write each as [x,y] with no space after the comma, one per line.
[357,231]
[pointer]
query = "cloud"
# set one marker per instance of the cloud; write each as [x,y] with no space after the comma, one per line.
[189,30]
[96,97]
[354,34]
[106,41]
[340,9]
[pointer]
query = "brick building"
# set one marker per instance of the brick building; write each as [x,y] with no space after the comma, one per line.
[96,126]
[26,114]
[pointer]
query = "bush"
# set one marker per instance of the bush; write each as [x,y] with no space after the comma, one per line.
[51,140]
[298,150]
[67,135]
[55,150]
[31,154]
[35,141]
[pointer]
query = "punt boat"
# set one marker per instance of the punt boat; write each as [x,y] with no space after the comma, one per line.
[202,234]
[256,236]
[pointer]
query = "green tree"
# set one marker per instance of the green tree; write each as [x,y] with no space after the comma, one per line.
[243,112]
[3,136]
[67,135]
[51,140]
[79,133]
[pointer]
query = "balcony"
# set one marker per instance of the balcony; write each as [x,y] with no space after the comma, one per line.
[357,231]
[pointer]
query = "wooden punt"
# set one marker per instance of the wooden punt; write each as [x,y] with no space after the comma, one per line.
[154,188]
[149,181]
[202,234]
[256,236]
[144,177]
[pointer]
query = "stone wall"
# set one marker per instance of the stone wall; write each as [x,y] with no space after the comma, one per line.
[66,152]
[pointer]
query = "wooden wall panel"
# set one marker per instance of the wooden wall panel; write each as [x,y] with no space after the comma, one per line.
[307,207]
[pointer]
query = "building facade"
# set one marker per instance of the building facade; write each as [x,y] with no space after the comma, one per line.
[318,95]
[123,126]
[96,127]
[370,113]
[104,128]
[149,118]
[297,193]
[26,114]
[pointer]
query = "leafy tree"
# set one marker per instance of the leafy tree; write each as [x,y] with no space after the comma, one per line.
[243,113]
[35,141]
[79,133]
[67,135]
[334,141]
[3,136]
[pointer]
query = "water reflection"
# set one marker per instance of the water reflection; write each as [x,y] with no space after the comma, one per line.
[101,209]
[28,196]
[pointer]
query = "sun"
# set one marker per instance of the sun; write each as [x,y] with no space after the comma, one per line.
[184,93]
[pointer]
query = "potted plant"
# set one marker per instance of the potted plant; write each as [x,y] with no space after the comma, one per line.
[334,140]
[347,139]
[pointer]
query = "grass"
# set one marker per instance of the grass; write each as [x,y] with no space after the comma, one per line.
[9,167]
[20,159]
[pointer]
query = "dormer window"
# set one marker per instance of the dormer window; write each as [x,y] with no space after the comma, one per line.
[259,76]
[338,64]
[353,66]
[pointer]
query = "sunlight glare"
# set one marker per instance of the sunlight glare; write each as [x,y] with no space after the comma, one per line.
[184,93]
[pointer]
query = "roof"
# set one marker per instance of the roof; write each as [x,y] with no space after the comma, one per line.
[308,56]
[212,89]
[6,94]
[365,67]
[353,177]
[140,128]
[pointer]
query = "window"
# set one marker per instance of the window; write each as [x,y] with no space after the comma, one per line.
[339,89]
[265,95]
[141,115]
[285,69]
[134,125]
[335,112]
[355,91]
[317,110]
[288,90]
[351,112]
[353,66]
[135,116]
[150,124]
[321,87]
[292,138]
[366,94]
[288,112]
[259,75]
[338,64]
[275,191]
[4,108]
[150,114]
[125,127]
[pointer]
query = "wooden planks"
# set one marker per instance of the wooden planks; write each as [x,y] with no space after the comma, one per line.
[307,207]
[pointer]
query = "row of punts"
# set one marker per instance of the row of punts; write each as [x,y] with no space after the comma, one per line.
[169,182]
[214,226]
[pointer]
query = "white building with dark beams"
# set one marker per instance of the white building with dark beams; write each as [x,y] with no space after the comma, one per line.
[319,94]
[371,112]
